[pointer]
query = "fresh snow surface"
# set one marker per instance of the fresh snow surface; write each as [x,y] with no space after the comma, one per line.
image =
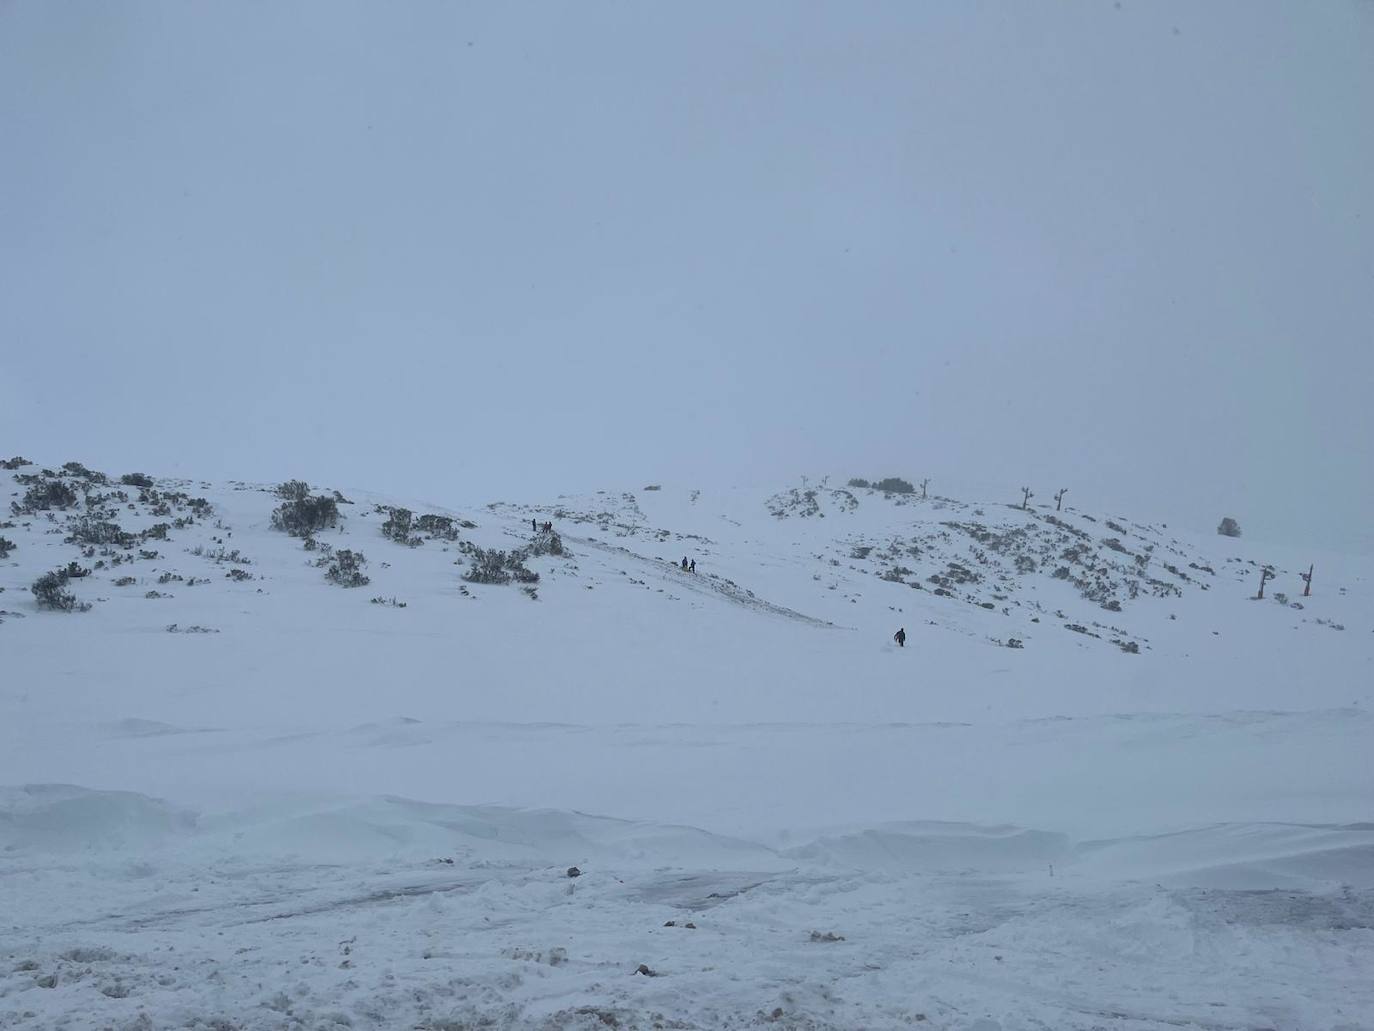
[261,800]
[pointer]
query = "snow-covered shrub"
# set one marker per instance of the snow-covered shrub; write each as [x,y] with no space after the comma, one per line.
[98,532]
[397,527]
[858,483]
[1229,528]
[50,591]
[125,581]
[15,463]
[895,485]
[45,495]
[345,569]
[300,514]
[81,472]
[487,567]
[136,480]
[546,542]
[438,526]
[6,546]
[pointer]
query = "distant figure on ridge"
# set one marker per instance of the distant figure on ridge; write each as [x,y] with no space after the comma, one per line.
[534,525]
[694,565]
[900,637]
[684,561]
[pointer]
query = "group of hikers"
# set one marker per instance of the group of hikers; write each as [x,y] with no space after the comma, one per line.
[546,528]
[689,567]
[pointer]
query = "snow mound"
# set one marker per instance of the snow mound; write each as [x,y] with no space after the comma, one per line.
[390,827]
[1242,857]
[938,847]
[62,817]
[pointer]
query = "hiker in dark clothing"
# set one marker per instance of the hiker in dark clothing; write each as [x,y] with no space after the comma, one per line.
[534,525]
[684,561]
[900,637]
[694,565]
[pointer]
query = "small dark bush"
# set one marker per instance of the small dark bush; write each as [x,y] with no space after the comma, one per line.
[1229,528]
[45,495]
[487,567]
[50,591]
[98,532]
[895,485]
[15,463]
[81,472]
[546,542]
[346,569]
[858,483]
[156,532]
[6,546]
[303,516]
[437,526]
[239,575]
[136,480]
[126,581]
[397,527]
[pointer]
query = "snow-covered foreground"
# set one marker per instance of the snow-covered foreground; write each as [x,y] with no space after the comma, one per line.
[1155,813]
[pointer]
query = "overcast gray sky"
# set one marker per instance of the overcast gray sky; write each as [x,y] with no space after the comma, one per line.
[469,251]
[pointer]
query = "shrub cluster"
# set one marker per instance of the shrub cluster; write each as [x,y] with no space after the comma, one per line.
[895,485]
[487,567]
[6,546]
[14,463]
[82,473]
[300,514]
[439,526]
[50,590]
[136,480]
[45,495]
[345,569]
[398,525]
[498,567]
[98,532]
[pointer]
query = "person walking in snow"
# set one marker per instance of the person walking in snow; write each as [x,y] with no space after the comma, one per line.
[684,562]
[694,565]
[900,637]
[534,525]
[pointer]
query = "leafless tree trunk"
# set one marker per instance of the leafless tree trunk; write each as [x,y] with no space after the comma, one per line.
[1307,581]
[1266,574]
[1059,498]
[1026,495]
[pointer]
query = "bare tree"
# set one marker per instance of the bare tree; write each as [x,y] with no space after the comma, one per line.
[1059,497]
[1266,574]
[1026,495]
[924,484]
[1307,581]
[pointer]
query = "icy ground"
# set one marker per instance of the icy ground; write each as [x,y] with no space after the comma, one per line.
[325,812]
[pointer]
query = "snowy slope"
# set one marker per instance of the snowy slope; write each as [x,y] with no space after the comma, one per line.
[1100,786]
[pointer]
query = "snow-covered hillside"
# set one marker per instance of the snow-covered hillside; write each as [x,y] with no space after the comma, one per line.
[1102,785]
